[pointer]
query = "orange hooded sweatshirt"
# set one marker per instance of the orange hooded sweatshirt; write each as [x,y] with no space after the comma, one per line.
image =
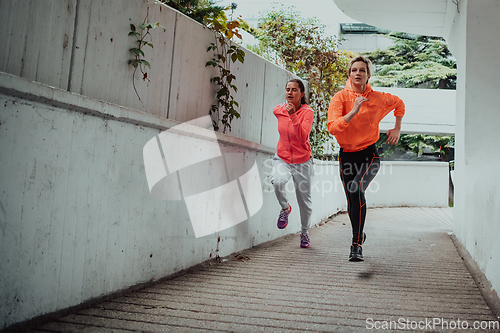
[293,144]
[363,130]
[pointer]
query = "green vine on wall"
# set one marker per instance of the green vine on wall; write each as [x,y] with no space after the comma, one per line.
[225,53]
[143,35]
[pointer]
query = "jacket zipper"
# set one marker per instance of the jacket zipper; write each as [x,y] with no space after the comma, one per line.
[289,142]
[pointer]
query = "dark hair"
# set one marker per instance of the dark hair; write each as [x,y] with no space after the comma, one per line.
[303,100]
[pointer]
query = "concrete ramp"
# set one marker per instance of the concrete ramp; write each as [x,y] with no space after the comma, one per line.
[412,278]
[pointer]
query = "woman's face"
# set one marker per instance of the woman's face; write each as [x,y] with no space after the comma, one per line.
[293,94]
[359,73]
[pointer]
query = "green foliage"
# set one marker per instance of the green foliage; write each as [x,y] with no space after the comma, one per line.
[299,43]
[300,46]
[142,33]
[413,61]
[245,26]
[198,10]
[418,144]
[225,53]
[214,17]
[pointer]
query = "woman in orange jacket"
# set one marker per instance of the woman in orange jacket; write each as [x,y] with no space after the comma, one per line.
[293,157]
[353,117]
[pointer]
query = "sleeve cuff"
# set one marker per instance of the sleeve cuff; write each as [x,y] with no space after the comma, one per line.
[399,113]
[343,124]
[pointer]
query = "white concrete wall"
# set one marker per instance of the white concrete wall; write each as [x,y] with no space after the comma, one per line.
[37,40]
[365,43]
[423,184]
[475,42]
[83,47]
[78,221]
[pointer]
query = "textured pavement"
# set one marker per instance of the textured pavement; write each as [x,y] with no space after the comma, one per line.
[412,279]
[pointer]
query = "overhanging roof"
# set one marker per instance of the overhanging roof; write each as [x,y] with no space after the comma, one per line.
[421,17]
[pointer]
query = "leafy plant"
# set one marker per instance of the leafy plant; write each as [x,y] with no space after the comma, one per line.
[198,10]
[225,53]
[205,12]
[143,35]
[245,26]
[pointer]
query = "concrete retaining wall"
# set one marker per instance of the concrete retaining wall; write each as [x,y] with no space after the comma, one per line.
[423,184]
[78,221]
[82,46]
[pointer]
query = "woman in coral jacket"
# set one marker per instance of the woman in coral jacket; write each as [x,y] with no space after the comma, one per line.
[293,157]
[353,117]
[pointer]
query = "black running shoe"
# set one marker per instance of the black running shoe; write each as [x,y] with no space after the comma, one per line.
[356,253]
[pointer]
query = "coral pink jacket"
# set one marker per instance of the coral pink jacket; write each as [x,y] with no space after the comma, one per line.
[293,145]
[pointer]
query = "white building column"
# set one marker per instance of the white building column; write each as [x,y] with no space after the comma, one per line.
[475,41]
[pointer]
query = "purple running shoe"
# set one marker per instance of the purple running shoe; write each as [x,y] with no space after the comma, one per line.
[283,218]
[304,240]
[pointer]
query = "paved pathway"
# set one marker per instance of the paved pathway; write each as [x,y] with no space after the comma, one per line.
[411,273]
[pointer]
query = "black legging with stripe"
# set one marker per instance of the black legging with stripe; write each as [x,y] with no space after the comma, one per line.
[357,170]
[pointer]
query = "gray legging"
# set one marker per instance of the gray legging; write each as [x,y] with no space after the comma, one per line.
[302,175]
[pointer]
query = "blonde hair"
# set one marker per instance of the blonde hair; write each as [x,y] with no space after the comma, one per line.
[363,59]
